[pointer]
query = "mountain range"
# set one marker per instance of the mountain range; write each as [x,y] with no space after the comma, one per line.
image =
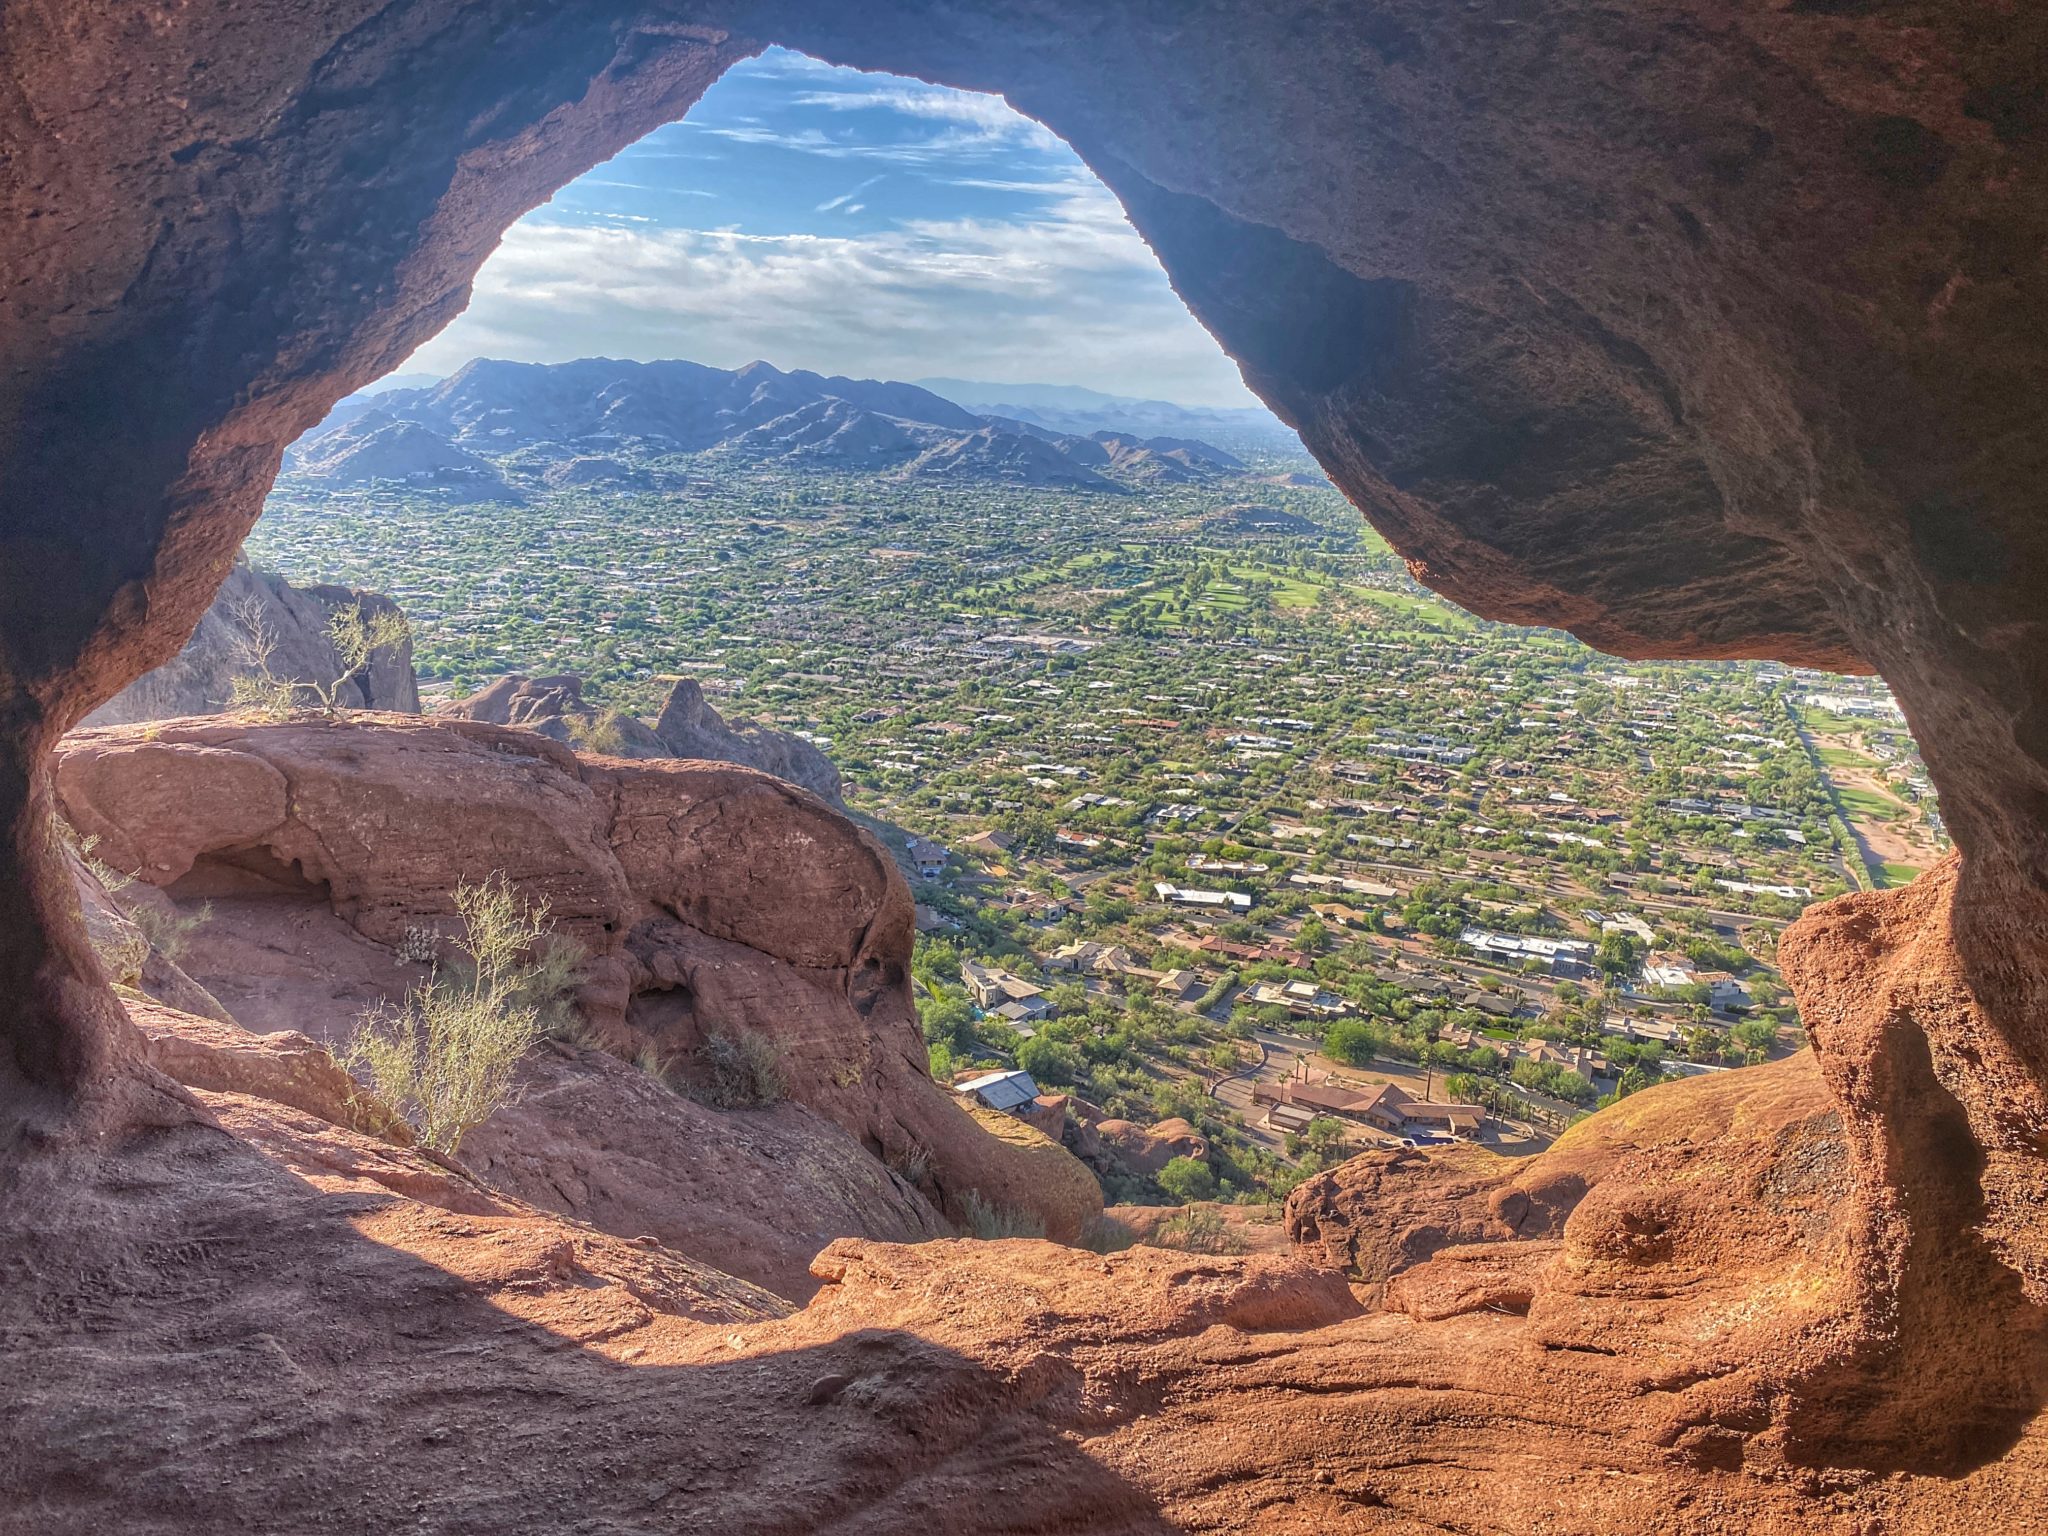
[498,430]
[1072,409]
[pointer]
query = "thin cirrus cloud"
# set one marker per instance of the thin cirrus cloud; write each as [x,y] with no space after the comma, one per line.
[978,247]
[846,199]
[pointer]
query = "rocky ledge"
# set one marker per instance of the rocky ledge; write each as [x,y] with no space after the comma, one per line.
[709,901]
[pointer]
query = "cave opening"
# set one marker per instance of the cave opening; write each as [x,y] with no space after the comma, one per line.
[1661,386]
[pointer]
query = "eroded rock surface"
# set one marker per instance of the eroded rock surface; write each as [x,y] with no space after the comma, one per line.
[756,1193]
[711,901]
[1701,328]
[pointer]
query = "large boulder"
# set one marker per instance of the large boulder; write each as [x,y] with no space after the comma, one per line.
[712,903]
[755,1193]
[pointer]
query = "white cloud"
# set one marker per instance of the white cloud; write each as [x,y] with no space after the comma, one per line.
[1076,299]
[993,117]
[1065,292]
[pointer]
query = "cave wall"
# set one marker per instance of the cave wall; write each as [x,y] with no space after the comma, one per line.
[1699,328]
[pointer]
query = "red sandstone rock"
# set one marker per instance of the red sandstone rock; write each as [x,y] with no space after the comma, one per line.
[1147,1149]
[358,1329]
[286,1069]
[709,898]
[1700,328]
[755,1193]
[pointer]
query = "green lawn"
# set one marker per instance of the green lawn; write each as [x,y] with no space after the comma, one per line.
[1843,757]
[1866,802]
[1425,611]
[1900,874]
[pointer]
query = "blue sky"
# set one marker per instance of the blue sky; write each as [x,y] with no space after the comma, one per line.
[852,223]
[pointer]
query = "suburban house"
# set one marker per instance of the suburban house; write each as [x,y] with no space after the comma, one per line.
[1181,985]
[1184,896]
[1490,1003]
[1291,1118]
[1303,999]
[1570,958]
[1008,997]
[988,845]
[1668,969]
[1386,1107]
[1581,1059]
[927,858]
[1093,957]
[1724,991]
[1344,883]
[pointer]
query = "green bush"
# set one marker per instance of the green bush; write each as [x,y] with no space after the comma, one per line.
[445,1060]
[1354,1042]
[1185,1179]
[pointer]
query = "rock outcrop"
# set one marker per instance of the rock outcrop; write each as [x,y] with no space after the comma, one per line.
[555,707]
[712,901]
[687,727]
[1145,1149]
[256,608]
[347,1320]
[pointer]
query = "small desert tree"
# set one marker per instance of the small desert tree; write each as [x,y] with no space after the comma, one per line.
[445,1060]
[357,633]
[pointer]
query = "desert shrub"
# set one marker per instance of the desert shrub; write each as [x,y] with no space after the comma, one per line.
[122,952]
[111,879]
[357,635]
[913,1165]
[1198,1229]
[1186,1179]
[271,697]
[598,732]
[989,1222]
[1105,1234]
[445,1059]
[737,1069]
[169,933]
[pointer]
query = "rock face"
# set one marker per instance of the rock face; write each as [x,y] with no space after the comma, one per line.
[1700,328]
[1145,1149]
[348,1319]
[711,900]
[199,679]
[687,727]
[1733,1235]
[690,727]
[555,707]
[756,1193]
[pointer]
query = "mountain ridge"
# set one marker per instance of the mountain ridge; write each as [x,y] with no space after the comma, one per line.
[456,434]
